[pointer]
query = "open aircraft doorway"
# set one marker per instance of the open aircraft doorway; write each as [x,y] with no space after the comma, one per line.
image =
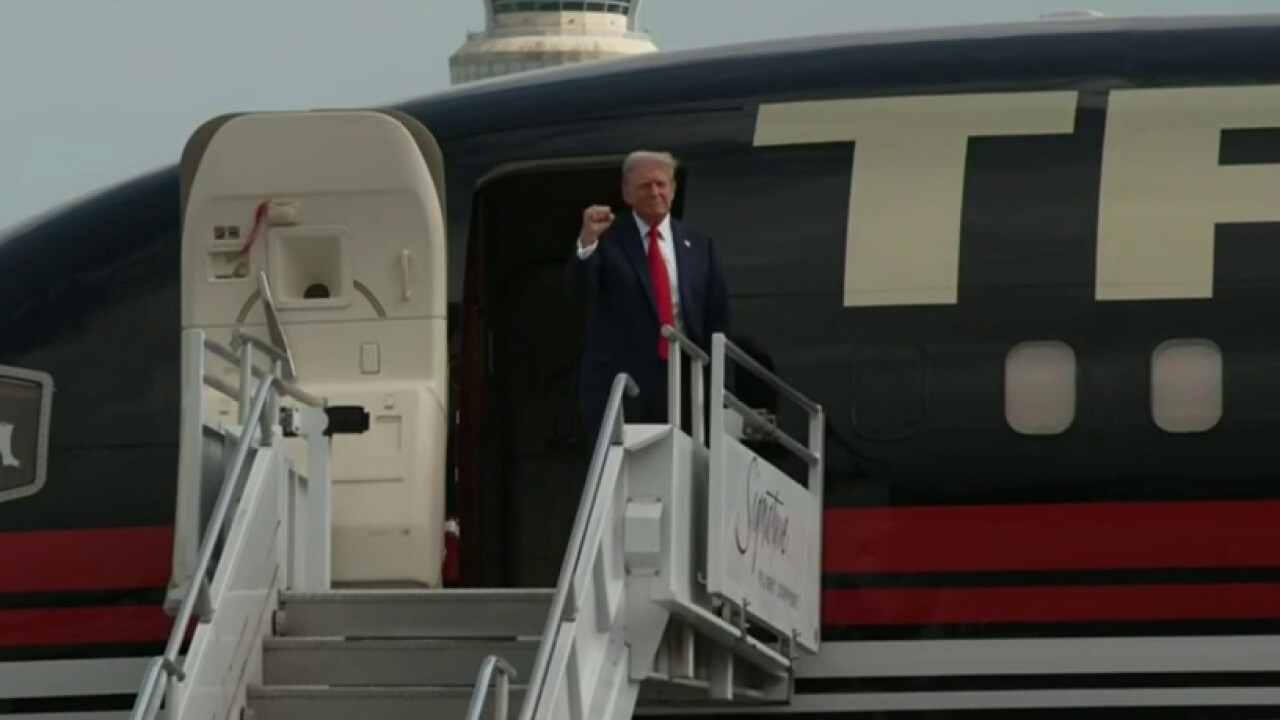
[533,451]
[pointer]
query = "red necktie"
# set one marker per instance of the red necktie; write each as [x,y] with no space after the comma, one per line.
[661,290]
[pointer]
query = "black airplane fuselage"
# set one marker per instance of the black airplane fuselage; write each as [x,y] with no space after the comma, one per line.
[943,520]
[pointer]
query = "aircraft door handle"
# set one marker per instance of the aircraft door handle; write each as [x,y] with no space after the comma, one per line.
[405,293]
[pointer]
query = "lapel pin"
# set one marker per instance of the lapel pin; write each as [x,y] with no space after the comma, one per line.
[686,243]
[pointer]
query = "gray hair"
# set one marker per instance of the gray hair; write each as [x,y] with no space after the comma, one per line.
[638,157]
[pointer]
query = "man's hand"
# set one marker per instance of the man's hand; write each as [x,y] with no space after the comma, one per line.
[595,220]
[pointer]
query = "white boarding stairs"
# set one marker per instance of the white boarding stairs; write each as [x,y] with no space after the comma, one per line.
[686,549]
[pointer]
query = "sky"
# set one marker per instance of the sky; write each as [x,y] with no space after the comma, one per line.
[95,91]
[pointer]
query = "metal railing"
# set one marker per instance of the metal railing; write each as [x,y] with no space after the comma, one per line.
[561,609]
[565,604]
[723,350]
[758,421]
[679,346]
[259,410]
[757,424]
[506,674]
[814,410]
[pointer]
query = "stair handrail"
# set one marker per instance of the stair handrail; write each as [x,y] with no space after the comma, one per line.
[479,693]
[811,455]
[167,664]
[610,433]
[679,345]
[255,431]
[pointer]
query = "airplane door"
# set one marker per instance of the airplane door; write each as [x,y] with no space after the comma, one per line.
[342,213]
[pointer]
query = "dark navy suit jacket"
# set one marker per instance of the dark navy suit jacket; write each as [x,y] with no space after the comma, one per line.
[622,321]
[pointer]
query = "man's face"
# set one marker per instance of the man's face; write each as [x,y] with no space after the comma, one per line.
[648,189]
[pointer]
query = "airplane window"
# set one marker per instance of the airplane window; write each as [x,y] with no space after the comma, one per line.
[1186,385]
[1040,387]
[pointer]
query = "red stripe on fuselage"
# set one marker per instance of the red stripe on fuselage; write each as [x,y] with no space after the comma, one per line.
[86,559]
[84,626]
[1102,536]
[1102,603]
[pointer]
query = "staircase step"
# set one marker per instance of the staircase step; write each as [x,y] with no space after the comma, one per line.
[369,703]
[467,613]
[340,662]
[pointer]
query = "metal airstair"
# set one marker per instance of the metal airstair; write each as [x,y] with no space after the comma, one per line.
[691,577]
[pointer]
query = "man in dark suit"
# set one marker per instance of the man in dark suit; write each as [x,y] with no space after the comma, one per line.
[637,273]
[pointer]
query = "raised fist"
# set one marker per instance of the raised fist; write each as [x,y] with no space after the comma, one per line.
[595,220]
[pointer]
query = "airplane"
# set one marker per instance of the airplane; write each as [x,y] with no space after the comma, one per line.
[1031,271]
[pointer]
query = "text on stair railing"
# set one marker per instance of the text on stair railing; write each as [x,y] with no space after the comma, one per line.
[763,522]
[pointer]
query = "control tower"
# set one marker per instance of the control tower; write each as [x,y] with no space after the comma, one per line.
[524,35]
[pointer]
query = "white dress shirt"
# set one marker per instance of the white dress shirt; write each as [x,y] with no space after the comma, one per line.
[666,244]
